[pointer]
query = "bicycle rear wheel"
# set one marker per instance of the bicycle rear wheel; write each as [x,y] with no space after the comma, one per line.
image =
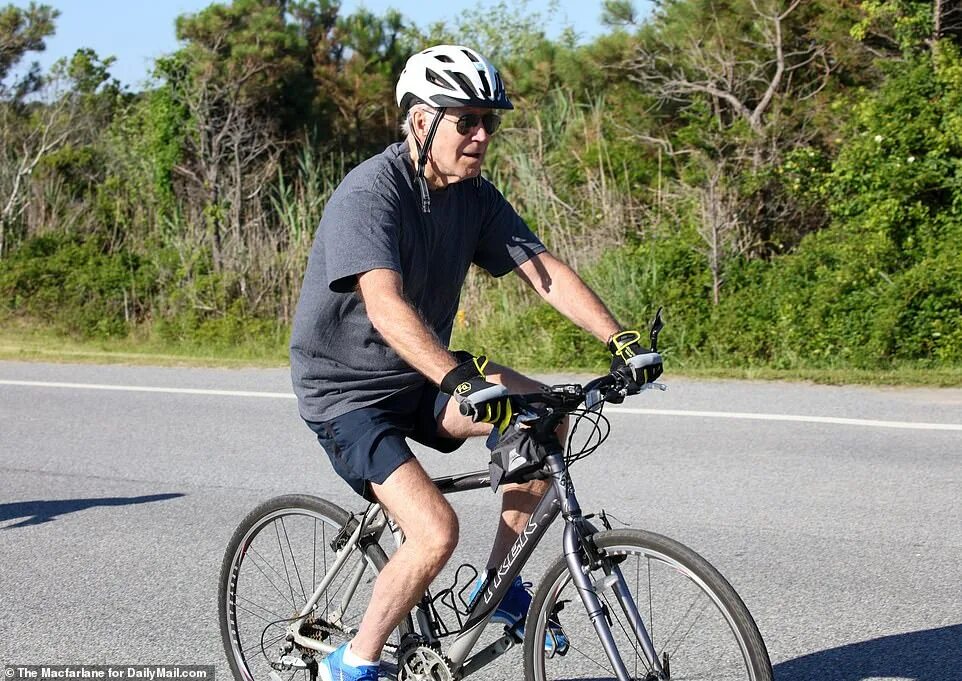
[276,558]
[696,621]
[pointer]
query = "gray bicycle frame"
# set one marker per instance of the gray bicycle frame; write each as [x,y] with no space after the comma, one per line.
[560,498]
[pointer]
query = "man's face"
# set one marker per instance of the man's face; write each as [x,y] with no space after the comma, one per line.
[455,156]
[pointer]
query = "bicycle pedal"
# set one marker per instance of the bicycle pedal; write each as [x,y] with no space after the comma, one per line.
[513,631]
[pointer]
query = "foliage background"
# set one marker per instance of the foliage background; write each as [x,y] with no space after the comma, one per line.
[782,176]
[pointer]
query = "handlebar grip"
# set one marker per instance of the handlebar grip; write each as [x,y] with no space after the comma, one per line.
[467,409]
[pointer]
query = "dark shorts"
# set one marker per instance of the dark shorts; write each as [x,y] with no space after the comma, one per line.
[368,444]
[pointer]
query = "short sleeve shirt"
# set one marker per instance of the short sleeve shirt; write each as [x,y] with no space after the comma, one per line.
[339,361]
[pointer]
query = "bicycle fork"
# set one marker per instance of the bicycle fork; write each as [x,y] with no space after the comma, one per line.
[579,554]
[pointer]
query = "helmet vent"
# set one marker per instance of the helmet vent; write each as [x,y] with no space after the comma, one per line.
[485,87]
[445,58]
[464,83]
[435,79]
[498,86]
[471,56]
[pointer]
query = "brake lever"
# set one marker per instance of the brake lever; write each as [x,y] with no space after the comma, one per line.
[656,326]
[616,395]
[525,419]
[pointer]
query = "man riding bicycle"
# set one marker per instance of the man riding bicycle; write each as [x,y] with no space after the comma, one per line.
[369,350]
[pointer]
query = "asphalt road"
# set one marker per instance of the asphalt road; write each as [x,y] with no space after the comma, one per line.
[835,512]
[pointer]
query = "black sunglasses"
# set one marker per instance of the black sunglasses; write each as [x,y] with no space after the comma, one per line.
[470,121]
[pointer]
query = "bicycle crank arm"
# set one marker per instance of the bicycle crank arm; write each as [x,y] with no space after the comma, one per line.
[487,655]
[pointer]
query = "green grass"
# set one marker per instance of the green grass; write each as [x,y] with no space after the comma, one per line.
[23,342]
[949,377]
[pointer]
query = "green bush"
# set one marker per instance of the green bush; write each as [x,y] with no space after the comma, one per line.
[77,285]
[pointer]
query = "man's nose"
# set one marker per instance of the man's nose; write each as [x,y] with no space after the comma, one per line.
[479,134]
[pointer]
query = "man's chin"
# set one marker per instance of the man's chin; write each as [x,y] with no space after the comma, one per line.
[473,166]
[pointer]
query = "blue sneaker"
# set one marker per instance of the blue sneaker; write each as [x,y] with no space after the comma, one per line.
[333,668]
[513,609]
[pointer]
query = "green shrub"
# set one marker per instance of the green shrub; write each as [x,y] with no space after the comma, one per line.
[77,285]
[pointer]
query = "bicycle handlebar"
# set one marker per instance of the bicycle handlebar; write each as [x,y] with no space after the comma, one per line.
[544,411]
[567,397]
[561,400]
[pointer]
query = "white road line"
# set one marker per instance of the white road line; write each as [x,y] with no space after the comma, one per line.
[830,420]
[149,389]
[910,425]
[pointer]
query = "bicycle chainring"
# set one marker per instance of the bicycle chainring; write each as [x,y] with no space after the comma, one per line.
[422,663]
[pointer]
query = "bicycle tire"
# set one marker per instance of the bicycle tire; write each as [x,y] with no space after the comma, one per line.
[694,582]
[284,515]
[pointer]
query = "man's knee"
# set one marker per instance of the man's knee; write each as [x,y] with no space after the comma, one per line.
[428,521]
[445,534]
[436,536]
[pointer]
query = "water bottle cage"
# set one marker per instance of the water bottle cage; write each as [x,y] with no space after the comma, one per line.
[454,599]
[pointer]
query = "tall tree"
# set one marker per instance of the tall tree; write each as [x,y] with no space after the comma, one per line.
[355,62]
[27,132]
[230,77]
[23,31]
[739,84]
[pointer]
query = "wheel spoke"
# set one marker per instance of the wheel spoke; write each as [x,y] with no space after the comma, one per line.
[270,581]
[693,607]
[297,572]
[681,622]
[629,634]
[274,617]
[266,581]
[280,549]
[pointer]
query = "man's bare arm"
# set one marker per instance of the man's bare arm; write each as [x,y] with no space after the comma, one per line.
[561,287]
[399,323]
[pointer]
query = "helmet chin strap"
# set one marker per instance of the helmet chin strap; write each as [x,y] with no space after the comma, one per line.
[423,159]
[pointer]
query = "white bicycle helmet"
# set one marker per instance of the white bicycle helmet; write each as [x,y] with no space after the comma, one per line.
[451,75]
[446,76]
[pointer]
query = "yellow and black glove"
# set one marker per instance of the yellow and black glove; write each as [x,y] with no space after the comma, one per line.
[633,361]
[479,399]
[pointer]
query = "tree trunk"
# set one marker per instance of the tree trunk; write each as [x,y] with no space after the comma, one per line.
[947,20]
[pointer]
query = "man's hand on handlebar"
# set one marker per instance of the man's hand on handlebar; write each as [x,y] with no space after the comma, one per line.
[480,399]
[633,362]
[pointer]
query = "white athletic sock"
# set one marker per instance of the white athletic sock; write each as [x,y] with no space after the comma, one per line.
[355,661]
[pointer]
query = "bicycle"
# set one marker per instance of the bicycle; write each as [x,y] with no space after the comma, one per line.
[272,623]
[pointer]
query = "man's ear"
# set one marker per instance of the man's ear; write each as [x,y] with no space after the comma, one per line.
[419,123]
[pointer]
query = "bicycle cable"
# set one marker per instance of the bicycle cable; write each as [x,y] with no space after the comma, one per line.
[284,635]
[600,430]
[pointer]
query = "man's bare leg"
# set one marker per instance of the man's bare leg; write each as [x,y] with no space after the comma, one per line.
[518,501]
[431,534]
[431,526]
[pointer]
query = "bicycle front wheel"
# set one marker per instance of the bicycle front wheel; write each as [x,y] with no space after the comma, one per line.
[699,627]
[275,560]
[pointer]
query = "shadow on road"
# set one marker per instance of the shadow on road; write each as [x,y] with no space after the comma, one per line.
[930,655]
[37,512]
